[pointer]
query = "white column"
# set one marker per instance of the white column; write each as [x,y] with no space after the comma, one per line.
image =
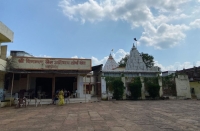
[124,81]
[160,84]
[0,50]
[103,85]
[80,86]
[143,88]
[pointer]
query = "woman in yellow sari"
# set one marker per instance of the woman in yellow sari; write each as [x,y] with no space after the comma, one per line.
[61,98]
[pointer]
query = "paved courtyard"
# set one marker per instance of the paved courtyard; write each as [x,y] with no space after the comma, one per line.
[168,115]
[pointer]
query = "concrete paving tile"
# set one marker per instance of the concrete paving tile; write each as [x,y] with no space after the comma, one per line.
[117,129]
[176,115]
[107,117]
[168,130]
[113,123]
[70,122]
[50,129]
[84,123]
[59,118]
[97,119]
[150,128]
[88,128]
[125,122]
[101,128]
[99,123]
[16,129]
[144,122]
[133,127]
[83,115]
[83,119]
[170,126]
[68,128]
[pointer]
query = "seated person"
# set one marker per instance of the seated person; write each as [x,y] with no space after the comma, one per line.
[21,102]
[55,98]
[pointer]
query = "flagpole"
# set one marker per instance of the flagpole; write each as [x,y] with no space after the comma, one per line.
[112,51]
[135,42]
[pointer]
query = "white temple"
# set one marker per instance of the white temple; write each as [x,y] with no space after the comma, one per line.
[135,67]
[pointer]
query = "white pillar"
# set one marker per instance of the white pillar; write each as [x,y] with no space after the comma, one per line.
[143,88]
[0,50]
[80,86]
[161,88]
[103,85]
[11,89]
[124,81]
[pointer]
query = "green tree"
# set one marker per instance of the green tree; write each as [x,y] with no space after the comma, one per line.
[123,61]
[109,82]
[152,86]
[148,60]
[135,88]
[153,89]
[118,89]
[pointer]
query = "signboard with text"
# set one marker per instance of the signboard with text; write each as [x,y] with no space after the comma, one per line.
[34,63]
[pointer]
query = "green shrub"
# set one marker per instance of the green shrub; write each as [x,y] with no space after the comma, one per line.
[118,89]
[153,89]
[135,88]
[109,82]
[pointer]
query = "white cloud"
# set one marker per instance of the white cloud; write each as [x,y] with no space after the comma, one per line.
[74,56]
[195,24]
[77,57]
[154,16]
[96,61]
[45,56]
[164,36]
[118,55]
[177,66]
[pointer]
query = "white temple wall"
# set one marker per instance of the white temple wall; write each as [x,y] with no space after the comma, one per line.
[183,86]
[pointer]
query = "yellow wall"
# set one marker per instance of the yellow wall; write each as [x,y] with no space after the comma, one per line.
[196,87]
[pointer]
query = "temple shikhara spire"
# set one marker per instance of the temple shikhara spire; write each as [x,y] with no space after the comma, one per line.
[110,63]
[135,61]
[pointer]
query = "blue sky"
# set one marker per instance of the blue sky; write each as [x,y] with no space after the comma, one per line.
[168,30]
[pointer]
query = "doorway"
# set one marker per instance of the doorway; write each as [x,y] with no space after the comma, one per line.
[66,83]
[43,88]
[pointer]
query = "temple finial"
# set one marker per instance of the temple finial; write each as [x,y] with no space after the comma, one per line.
[135,42]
